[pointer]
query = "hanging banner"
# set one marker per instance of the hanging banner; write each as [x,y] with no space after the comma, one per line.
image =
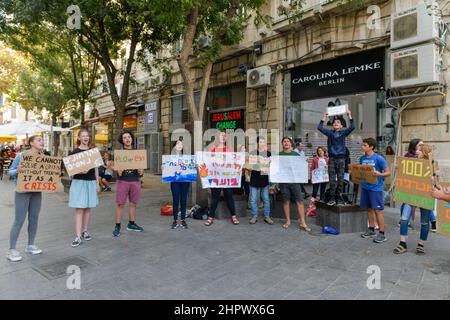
[362,173]
[130,159]
[443,212]
[413,183]
[180,168]
[359,72]
[220,169]
[83,161]
[288,169]
[39,173]
[319,175]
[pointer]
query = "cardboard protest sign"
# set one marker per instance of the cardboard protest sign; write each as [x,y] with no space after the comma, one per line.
[443,213]
[288,169]
[337,110]
[319,175]
[39,173]
[83,161]
[413,183]
[361,173]
[130,159]
[220,169]
[179,168]
[258,163]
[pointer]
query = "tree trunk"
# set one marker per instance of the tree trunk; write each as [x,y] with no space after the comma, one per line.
[55,137]
[82,108]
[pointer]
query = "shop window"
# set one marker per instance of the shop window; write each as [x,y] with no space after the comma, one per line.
[226,97]
[180,111]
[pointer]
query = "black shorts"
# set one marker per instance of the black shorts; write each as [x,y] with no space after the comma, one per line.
[291,189]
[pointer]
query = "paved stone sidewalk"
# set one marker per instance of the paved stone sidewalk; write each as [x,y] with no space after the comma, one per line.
[218,262]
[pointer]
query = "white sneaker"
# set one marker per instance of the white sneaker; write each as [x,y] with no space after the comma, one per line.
[33,250]
[13,255]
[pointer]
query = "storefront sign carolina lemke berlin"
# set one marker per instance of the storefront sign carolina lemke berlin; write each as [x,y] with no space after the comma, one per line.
[353,73]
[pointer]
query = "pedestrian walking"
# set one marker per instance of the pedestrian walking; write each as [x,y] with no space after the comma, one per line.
[26,204]
[83,192]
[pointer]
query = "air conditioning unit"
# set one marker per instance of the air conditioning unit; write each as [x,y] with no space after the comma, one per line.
[259,77]
[415,25]
[415,66]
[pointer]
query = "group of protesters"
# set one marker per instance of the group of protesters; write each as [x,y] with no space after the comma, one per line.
[85,186]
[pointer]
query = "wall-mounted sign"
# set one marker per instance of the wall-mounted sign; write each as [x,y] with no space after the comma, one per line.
[150,117]
[228,120]
[151,106]
[360,72]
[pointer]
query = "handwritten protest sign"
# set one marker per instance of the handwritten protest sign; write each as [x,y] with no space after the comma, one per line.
[360,173]
[288,169]
[258,163]
[180,168]
[220,169]
[130,159]
[413,183]
[319,175]
[83,161]
[39,173]
[337,110]
[443,213]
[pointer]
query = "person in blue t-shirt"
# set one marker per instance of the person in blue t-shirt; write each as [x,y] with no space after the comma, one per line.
[372,194]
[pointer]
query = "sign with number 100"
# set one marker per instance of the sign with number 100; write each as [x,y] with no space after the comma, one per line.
[414,168]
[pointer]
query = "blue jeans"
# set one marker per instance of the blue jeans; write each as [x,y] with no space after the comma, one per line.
[425,217]
[179,194]
[264,192]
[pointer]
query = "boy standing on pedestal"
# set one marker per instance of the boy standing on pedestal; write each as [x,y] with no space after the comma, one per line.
[336,153]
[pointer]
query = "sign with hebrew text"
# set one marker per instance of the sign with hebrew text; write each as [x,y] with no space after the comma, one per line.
[443,212]
[83,161]
[220,169]
[413,183]
[362,173]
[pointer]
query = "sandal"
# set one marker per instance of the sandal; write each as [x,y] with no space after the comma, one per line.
[420,250]
[400,249]
[234,220]
[286,225]
[304,228]
[209,221]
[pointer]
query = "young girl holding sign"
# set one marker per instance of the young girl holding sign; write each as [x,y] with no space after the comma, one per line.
[83,192]
[220,146]
[423,152]
[25,203]
[320,161]
[179,193]
[128,187]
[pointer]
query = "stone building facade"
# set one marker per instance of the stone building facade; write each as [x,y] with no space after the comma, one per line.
[327,36]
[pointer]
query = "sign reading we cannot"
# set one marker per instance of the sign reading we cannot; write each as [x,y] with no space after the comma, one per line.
[39,173]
